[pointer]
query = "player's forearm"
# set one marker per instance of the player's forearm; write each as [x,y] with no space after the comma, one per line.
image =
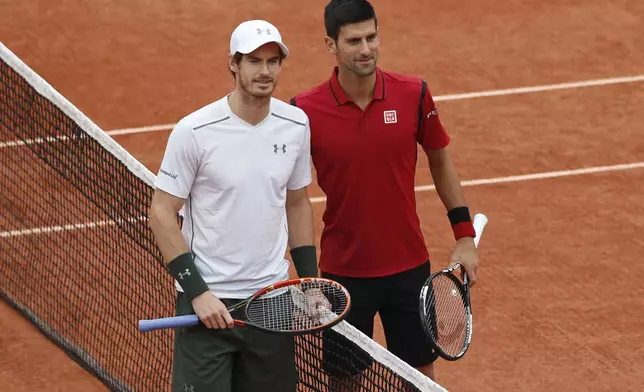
[450,191]
[301,235]
[300,223]
[167,233]
[446,180]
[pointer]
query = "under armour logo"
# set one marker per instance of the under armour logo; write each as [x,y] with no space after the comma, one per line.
[276,148]
[188,388]
[260,31]
[182,274]
[432,113]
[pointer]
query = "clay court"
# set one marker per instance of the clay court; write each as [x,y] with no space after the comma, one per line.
[543,101]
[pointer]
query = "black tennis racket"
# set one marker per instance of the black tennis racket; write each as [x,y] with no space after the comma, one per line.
[445,310]
[295,306]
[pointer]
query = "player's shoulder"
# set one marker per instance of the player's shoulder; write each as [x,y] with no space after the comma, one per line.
[402,82]
[288,112]
[208,115]
[318,93]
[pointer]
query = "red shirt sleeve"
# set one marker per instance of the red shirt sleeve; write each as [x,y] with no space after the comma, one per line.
[431,134]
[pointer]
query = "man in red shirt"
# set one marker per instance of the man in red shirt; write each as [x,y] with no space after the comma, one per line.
[365,126]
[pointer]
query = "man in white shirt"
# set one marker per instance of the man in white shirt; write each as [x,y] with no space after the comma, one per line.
[237,171]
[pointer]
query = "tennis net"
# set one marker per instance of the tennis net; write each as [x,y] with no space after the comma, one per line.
[78,259]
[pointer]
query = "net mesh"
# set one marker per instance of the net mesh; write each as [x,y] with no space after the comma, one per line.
[77,256]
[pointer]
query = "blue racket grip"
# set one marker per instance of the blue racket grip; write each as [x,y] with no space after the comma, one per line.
[168,322]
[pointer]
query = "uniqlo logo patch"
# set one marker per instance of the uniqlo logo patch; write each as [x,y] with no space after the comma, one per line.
[390,117]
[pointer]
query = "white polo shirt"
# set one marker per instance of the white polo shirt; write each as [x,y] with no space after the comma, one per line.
[234,177]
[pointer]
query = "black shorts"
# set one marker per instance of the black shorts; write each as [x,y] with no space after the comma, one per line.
[241,359]
[395,298]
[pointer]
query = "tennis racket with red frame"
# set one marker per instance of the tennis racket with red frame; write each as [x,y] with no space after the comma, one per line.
[445,309]
[295,306]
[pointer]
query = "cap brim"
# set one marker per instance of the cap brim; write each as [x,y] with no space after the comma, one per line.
[250,48]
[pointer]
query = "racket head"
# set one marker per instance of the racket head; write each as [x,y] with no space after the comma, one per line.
[445,312]
[298,306]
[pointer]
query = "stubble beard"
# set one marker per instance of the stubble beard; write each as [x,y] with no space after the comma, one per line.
[258,94]
[361,71]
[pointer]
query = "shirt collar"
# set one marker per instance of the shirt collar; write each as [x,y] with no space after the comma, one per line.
[341,98]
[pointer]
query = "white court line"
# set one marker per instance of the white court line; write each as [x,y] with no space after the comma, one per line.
[452,97]
[48,139]
[536,89]
[74,226]
[527,177]
[53,229]
[420,188]
[152,128]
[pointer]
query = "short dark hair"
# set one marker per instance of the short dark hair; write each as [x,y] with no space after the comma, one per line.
[338,13]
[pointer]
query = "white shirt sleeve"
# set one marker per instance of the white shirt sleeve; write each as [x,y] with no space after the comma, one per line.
[301,175]
[180,162]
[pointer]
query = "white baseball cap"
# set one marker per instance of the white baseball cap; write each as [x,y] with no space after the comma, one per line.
[252,34]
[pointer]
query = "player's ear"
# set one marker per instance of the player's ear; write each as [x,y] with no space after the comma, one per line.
[232,64]
[331,45]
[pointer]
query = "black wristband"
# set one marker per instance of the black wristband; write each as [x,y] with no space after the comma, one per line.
[459,215]
[185,271]
[306,261]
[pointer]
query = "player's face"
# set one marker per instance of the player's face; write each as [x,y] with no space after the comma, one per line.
[258,71]
[357,47]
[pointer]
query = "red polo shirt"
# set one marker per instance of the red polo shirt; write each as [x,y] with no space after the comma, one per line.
[366,163]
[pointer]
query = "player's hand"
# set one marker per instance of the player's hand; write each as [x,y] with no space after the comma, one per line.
[211,311]
[465,254]
[317,303]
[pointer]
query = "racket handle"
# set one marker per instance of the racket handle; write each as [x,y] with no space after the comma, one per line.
[168,322]
[480,220]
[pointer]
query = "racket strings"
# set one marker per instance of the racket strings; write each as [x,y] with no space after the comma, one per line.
[298,307]
[445,315]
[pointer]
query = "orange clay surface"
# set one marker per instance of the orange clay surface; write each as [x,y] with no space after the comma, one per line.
[558,302]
